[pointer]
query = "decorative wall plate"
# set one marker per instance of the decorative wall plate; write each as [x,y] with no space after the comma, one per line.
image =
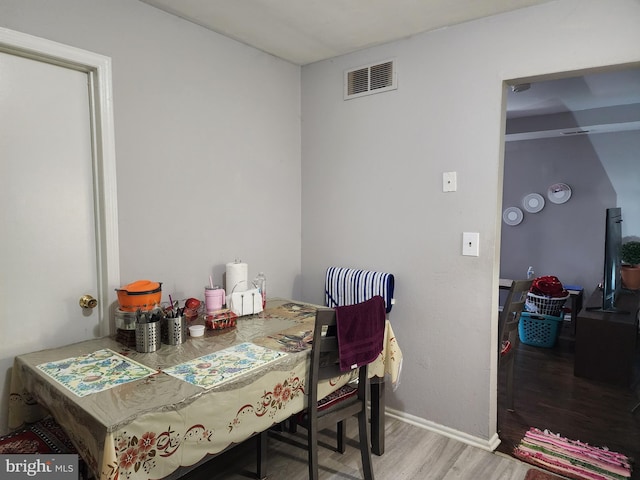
[559,193]
[533,203]
[512,216]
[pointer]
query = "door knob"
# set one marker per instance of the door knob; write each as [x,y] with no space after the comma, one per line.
[87,301]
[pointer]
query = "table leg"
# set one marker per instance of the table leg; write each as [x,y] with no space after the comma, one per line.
[576,306]
[377,415]
[261,466]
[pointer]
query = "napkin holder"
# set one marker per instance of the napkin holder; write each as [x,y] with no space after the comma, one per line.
[248,302]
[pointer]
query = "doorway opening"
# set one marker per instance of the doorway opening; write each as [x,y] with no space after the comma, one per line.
[582,131]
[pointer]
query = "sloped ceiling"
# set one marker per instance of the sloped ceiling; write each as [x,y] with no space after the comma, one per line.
[306,31]
[583,105]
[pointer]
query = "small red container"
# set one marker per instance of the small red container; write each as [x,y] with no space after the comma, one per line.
[224,318]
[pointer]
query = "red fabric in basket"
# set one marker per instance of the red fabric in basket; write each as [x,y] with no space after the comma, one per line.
[549,286]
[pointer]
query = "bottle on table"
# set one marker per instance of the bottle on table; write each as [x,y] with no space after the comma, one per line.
[261,284]
[530,273]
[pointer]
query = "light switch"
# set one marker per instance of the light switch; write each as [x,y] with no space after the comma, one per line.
[449,183]
[470,244]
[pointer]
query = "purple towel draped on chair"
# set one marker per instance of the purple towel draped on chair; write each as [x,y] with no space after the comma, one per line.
[360,332]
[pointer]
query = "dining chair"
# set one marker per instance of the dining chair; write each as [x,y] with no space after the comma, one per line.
[508,331]
[349,286]
[350,400]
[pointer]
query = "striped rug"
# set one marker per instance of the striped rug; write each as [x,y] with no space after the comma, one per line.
[535,474]
[571,458]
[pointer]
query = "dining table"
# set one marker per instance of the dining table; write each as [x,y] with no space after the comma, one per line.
[154,415]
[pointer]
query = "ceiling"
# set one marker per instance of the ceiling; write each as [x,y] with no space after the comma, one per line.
[596,90]
[307,31]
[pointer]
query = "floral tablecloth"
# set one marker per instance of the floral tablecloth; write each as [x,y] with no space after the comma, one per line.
[148,428]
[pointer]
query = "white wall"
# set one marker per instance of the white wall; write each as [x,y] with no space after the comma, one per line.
[207,142]
[372,186]
[619,154]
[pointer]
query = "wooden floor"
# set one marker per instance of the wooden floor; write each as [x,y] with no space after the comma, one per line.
[549,396]
[412,453]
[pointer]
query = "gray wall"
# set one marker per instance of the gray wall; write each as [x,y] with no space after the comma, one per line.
[207,135]
[372,186]
[602,171]
[565,240]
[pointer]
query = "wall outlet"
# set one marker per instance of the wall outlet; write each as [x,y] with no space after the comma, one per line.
[471,244]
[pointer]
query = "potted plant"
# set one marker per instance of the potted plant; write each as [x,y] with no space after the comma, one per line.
[630,269]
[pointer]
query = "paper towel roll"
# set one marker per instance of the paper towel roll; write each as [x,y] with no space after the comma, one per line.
[237,277]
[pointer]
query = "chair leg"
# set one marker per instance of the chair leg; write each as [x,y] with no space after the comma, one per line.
[312,445]
[293,425]
[365,445]
[377,415]
[261,466]
[341,436]
[510,406]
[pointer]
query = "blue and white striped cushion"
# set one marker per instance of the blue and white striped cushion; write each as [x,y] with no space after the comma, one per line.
[348,286]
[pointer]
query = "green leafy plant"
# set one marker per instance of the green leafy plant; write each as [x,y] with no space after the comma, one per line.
[630,253]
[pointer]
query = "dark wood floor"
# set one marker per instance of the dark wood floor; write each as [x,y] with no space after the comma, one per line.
[549,396]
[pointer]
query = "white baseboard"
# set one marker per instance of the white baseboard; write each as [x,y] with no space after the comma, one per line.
[489,445]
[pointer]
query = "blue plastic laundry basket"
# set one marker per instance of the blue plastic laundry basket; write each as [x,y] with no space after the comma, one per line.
[539,330]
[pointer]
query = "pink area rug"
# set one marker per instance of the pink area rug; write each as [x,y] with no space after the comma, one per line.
[534,474]
[572,458]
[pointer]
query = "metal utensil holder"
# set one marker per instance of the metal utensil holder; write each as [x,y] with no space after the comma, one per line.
[148,336]
[174,330]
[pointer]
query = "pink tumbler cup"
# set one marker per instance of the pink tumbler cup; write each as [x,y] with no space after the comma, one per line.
[214,298]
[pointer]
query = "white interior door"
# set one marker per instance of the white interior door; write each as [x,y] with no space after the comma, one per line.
[52,215]
[48,257]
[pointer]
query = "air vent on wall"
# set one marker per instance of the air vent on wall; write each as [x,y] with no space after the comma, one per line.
[375,78]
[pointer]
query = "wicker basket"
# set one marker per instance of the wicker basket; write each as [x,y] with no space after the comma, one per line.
[545,305]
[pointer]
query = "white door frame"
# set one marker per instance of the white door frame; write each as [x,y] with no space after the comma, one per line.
[98,70]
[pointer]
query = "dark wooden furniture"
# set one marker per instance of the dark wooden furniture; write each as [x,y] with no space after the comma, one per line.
[575,300]
[606,342]
[325,363]
[378,406]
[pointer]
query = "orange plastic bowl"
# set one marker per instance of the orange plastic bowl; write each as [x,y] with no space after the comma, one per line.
[142,294]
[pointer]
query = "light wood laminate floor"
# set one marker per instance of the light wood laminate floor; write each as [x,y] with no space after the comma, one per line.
[411,453]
